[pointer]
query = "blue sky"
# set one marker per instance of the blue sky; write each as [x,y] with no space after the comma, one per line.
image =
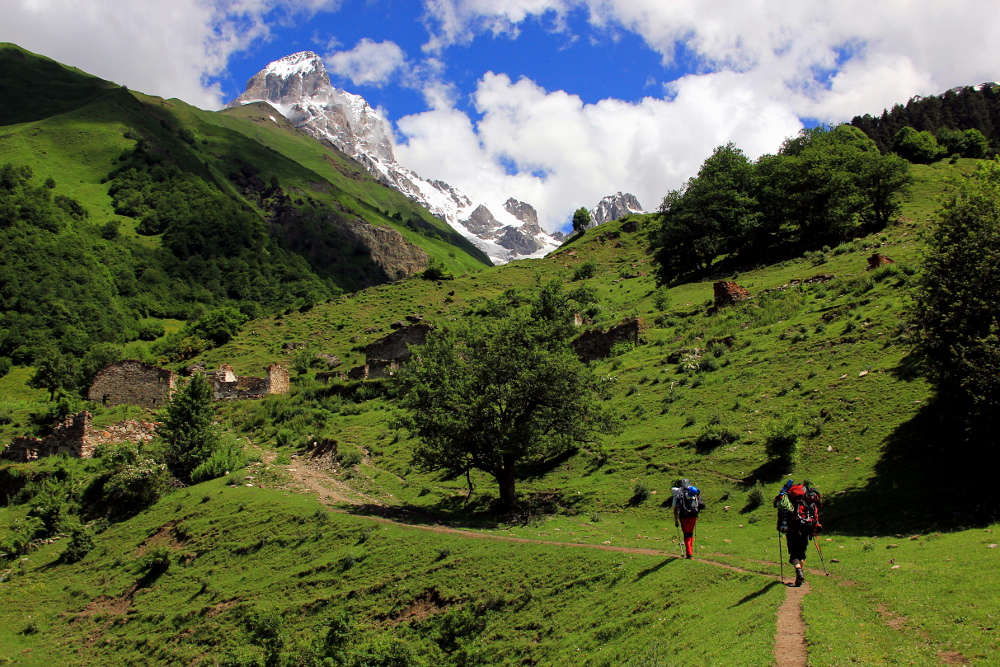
[554,102]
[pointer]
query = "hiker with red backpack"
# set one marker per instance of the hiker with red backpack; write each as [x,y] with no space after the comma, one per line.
[687,503]
[798,518]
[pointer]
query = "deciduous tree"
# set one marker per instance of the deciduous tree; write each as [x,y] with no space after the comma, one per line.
[957,303]
[498,394]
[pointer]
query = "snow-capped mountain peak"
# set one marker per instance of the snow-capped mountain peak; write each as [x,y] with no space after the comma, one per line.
[299,87]
[613,207]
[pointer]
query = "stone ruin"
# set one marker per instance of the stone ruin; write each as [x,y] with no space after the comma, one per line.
[384,356]
[877,260]
[597,343]
[134,383]
[137,383]
[728,293]
[227,386]
[76,437]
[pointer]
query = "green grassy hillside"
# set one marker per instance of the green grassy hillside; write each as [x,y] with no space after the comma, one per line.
[165,211]
[411,569]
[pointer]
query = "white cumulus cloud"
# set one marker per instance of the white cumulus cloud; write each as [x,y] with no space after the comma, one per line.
[368,63]
[568,154]
[171,49]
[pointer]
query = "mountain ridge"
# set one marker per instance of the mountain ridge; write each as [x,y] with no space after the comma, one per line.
[299,88]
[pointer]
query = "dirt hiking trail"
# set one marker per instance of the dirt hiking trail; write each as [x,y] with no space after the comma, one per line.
[789,641]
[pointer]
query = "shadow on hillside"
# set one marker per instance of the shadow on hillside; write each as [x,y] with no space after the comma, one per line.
[756,594]
[652,570]
[767,473]
[439,515]
[923,482]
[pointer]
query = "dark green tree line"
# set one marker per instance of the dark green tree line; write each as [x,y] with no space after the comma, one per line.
[823,186]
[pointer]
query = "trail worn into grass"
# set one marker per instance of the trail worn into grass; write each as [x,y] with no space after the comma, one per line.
[790,638]
[789,641]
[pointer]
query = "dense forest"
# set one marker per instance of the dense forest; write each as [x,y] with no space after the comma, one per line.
[959,109]
[822,187]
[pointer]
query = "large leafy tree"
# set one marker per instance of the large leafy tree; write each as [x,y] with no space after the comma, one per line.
[497,394]
[581,218]
[714,212]
[957,303]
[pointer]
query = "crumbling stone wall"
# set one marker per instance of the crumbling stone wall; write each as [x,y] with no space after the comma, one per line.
[597,343]
[134,383]
[396,345]
[227,386]
[76,437]
[728,293]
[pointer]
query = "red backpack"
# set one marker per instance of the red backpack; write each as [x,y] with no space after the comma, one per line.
[805,506]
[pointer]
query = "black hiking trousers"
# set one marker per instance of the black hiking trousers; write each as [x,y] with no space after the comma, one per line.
[798,543]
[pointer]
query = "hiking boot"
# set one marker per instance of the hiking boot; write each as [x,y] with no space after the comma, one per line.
[689,556]
[799,577]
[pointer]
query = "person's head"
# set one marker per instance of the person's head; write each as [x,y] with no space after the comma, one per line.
[685,483]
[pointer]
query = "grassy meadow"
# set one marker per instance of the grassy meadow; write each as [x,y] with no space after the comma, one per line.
[405,567]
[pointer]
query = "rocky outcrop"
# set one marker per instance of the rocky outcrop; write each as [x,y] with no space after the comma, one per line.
[526,213]
[391,253]
[519,240]
[877,260]
[481,222]
[728,293]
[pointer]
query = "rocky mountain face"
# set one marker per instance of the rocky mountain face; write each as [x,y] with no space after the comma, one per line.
[613,207]
[299,87]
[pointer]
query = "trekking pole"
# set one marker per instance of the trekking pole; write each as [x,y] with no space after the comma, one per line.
[781,559]
[816,542]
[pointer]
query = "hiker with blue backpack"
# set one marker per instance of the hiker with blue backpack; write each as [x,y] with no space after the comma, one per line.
[687,503]
[798,518]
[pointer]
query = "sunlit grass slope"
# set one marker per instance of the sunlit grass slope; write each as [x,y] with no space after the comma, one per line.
[262,575]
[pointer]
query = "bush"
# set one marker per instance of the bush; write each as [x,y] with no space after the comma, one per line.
[5,366]
[586,270]
[781,438]
[150,329]
[225,458]
[755,497]
[715,435]
[80,543]
[136,486]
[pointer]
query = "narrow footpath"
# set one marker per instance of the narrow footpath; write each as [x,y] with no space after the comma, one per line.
[789,640]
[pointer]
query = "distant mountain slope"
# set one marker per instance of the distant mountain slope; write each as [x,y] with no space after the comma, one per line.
[299,88]
[178,210]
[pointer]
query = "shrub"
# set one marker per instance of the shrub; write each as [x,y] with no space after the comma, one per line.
[5,366]
[350,458]
[715,435]
[80,543]
[640,493]
[136,486]
[150,329]
[228,456]
[586,270]
[755,497]
[781,437]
